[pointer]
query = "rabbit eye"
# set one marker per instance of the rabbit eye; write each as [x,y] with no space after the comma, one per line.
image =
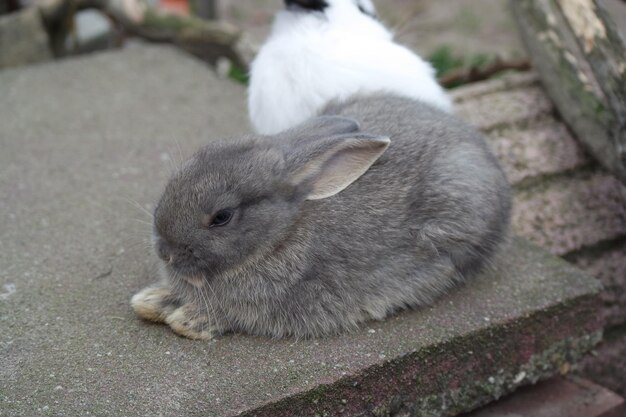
[222,218]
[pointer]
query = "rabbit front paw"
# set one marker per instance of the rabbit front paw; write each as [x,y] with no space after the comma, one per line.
[189,322]
[155,303]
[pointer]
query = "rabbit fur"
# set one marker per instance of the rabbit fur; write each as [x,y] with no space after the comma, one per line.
[332,222]
[320,51]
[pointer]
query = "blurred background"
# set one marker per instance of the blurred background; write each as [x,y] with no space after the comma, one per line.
[451,32]
[466,40]
[454,34]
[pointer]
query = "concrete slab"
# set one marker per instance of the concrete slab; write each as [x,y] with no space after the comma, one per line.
[83,142]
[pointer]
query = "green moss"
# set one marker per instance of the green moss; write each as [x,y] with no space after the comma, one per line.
[445,60]
[238,74]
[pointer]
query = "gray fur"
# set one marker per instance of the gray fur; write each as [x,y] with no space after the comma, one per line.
[428,215]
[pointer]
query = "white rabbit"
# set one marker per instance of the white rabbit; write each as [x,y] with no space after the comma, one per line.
[325,50]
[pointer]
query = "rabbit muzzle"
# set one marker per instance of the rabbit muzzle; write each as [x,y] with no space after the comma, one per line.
[181,258]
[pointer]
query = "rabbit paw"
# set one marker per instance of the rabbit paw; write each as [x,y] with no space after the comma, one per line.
[154,303]
[189,322]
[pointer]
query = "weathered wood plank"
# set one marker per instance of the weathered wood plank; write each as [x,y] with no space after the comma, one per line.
[581,59]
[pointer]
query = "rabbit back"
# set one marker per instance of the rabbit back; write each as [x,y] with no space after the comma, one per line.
[427,215]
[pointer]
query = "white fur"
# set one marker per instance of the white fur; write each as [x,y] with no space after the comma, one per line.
[312,58]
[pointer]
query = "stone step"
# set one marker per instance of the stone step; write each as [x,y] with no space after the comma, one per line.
[559,397]
[86,140]
[608,362]
[577,212]
[609,266]
[563,200]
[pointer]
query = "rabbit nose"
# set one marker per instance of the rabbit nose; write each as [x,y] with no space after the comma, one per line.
[185,252]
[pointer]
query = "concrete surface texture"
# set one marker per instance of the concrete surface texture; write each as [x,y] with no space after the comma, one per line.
[86,140]
[558,397]
[608,363]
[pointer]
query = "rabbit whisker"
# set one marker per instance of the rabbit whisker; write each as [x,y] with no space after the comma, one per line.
[181,159]
[141,208]
[219,304]
[207,303]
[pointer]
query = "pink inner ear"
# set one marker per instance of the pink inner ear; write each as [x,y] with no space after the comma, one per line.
[337,169]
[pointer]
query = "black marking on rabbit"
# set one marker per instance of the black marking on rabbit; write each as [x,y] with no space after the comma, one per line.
[316,5]
[321,5]
[332,225]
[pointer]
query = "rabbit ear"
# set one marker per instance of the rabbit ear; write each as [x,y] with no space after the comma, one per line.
[318,128]
[327,166]
[330,126]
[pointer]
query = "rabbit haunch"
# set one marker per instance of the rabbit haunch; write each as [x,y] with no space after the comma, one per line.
[330,224]
[318,54]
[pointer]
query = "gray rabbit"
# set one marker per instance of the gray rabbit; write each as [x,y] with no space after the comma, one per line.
[317,229]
